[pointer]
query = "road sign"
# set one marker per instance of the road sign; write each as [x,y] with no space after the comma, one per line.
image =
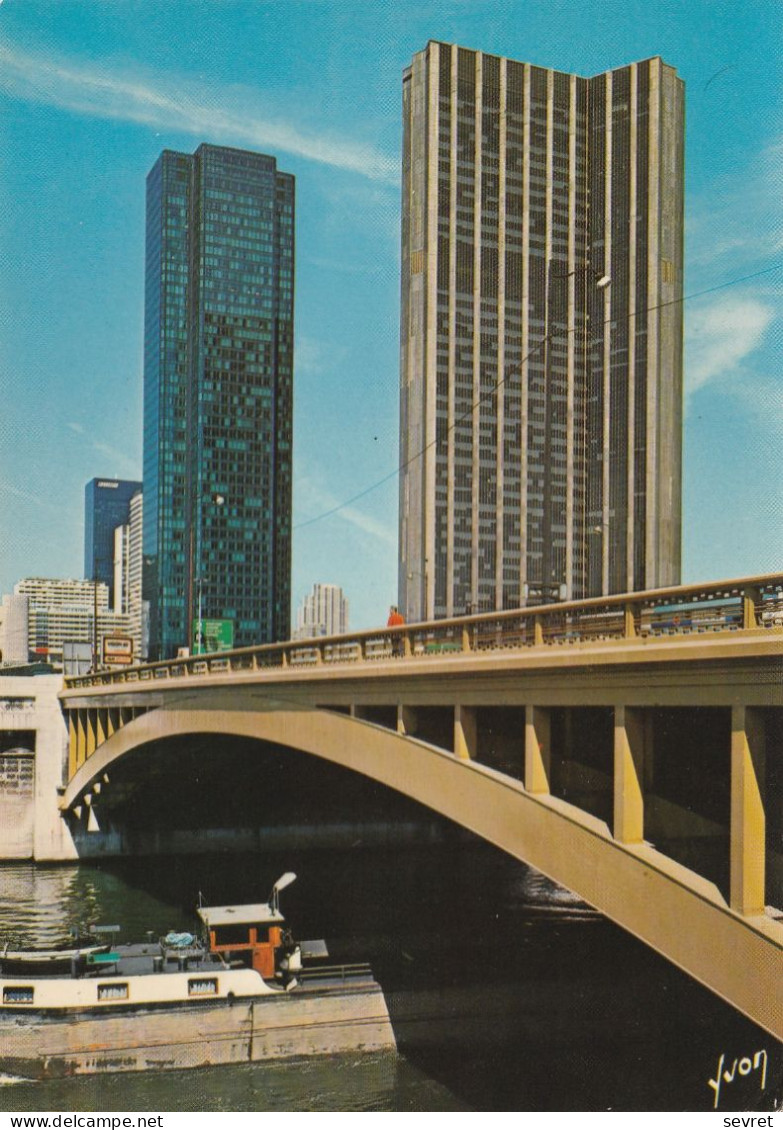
[212,635]
[117,650]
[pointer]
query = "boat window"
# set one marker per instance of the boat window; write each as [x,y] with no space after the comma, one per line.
[19,994]
[117,991]
[202,986]
[233,935]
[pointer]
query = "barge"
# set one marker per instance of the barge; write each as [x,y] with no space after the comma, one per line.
[242,993]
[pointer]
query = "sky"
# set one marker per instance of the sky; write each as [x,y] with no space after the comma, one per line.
[93,90]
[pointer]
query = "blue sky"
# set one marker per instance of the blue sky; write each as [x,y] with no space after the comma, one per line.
[92,90]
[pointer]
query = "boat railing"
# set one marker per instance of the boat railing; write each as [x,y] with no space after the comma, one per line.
[343,973]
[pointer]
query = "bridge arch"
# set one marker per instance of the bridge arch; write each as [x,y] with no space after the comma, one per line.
[681,915]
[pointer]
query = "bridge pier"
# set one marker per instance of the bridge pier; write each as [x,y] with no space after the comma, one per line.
[748,820]
[465,732]
[629,757]
[406,720]
[538,749]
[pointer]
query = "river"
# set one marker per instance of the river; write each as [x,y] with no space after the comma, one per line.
[506,992]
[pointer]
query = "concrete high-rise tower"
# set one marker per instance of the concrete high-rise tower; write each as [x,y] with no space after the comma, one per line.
[218,396]
[541,331]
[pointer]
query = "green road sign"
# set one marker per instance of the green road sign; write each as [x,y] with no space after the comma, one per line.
[212,635]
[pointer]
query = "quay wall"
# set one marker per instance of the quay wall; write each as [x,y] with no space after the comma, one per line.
[33,758]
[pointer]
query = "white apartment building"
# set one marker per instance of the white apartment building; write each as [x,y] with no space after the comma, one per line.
[128,570]
[323,612]
[68,611]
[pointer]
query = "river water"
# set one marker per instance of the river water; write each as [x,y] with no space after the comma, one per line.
[506,992]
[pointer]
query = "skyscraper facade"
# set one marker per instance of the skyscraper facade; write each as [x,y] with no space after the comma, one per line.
[218,403]
[541,331]
[106,506]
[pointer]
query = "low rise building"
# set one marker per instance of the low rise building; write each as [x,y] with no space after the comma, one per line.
[68,611]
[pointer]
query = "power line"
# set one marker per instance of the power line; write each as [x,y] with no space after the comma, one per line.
[502,380]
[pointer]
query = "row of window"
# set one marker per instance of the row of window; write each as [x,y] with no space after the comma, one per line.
[111,990]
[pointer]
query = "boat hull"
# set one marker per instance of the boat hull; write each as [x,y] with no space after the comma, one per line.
[40,1044]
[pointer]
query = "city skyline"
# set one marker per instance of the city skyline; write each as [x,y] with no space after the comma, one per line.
[87,118]
[541,383]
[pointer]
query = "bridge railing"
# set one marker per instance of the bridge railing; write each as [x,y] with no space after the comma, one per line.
[749,603]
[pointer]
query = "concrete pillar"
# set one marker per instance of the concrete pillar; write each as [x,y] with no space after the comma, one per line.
[629,742]
[81,737]
[629,622]
[751,599]
[538,749]
[73,743]
[464,731]
[406,720]
[748,822]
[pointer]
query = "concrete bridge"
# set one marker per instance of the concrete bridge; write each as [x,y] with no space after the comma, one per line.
[627,747]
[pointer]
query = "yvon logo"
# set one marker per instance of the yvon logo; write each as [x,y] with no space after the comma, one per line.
[743,1066]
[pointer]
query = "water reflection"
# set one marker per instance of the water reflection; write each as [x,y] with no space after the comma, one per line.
[506,992]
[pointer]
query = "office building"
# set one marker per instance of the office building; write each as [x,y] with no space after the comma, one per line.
[128,573]
[218,372]
[63,612]
[14,646]
[106,503]
[541,332]
[323,612]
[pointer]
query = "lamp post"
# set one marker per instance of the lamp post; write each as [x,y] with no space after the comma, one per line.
[551,580]
[425,578]
[602,529]
[198,649]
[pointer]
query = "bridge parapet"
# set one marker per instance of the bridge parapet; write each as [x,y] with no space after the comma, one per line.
[749,604]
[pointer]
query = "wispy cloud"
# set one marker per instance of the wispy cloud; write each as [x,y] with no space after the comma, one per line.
[737,220]
[12,491]
[314,357]
[721,336]
[176,104]
[314,499]
[120,460]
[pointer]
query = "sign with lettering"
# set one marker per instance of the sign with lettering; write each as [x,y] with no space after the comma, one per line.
[212,635]
[117,650]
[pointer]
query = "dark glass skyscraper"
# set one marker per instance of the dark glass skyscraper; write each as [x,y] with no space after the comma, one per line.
[106,506]
[218,396]
[541,385]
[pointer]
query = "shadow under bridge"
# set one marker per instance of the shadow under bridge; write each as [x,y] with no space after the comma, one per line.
[679,913]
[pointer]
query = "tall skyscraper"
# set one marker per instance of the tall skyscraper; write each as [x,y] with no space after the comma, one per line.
[541,331]
[106,506]
[218,372]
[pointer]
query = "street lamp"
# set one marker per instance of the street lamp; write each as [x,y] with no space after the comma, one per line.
[425,578]
[218,500]
[560,309]
[601,529]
